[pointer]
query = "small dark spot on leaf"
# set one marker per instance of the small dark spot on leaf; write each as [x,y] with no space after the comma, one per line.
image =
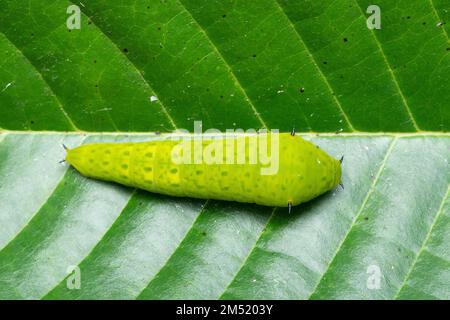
[424,23]
[408,17]
[125,50]
[32,122]
[345,39]
[325,62]
[302,90]
[95,61]
[203,233]
[366,218]
[448,49]
[224,16]
[159,28]
[254,55]
[221,97]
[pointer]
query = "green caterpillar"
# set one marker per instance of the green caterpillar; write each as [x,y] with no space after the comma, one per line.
[172,167]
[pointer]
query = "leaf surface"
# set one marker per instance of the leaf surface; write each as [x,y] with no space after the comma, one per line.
[378,97]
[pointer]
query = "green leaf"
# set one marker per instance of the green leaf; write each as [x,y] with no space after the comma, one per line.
[379,97]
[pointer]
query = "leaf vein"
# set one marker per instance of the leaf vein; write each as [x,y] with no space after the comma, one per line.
[305,134]
[133,193]
[40,208]
[163,108]
[363,204]
[228,66]
[391,72]
[244,262]
[316,65]
[175,251]
[424,243]
[435,12]
[58,101]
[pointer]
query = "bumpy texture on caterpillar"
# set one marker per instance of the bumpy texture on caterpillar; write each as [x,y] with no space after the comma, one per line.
[304,172]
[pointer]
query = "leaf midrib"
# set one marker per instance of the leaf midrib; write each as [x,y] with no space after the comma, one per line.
[303,134]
